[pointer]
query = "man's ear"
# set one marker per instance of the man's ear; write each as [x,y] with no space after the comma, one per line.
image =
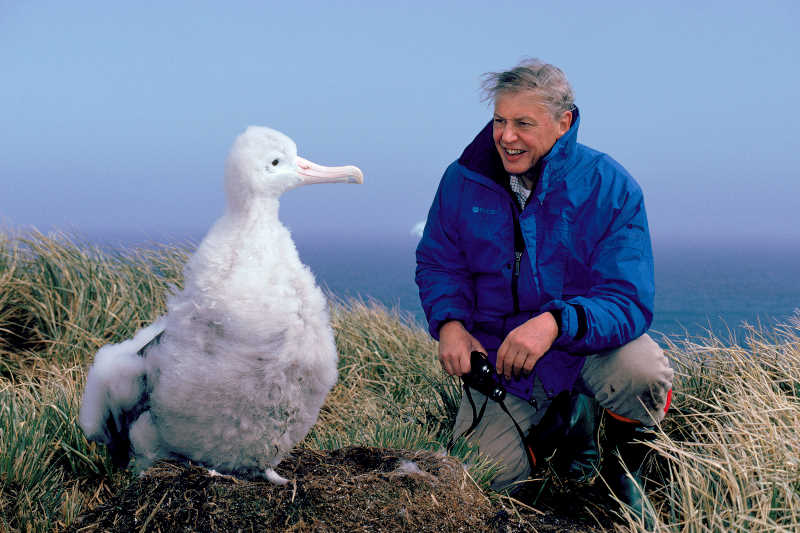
[564,122]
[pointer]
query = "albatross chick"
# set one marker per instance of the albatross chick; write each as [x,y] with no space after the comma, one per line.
[234,375]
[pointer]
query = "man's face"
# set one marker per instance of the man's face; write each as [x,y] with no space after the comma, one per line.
[524,129]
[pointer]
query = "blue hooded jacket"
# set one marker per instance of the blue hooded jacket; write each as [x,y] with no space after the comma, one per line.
[585,255]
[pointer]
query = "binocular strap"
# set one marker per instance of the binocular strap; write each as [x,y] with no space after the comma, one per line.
[476,419]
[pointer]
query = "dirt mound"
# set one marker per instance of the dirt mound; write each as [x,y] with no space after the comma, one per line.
[349,490]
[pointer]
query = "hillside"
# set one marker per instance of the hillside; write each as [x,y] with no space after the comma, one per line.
[728,455]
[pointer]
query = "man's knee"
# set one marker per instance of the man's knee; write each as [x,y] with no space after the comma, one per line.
[633,381]
[643,362]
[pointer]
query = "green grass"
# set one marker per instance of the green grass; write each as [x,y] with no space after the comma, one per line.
[729,450]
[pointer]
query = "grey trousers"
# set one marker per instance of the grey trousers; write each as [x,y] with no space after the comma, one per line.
[632,381]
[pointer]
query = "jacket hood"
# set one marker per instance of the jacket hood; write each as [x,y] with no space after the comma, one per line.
[481,155]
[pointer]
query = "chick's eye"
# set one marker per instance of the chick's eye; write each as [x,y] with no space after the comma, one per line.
[275,162]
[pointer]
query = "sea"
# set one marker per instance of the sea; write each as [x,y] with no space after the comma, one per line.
[702,289]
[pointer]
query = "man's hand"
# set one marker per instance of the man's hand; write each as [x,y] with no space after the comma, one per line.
[525,344]
[455,346]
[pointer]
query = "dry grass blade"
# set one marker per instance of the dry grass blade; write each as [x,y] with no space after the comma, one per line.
[733,453]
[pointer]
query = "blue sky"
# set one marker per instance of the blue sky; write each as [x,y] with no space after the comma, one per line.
[115,118]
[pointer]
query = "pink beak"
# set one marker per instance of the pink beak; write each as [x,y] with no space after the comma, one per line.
[313,173]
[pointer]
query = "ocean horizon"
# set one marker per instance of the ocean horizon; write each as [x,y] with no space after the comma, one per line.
[702,287]
[714,288]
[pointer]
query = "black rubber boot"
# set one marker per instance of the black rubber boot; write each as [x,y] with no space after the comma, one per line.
[570,427]
[582,433]
[623,468]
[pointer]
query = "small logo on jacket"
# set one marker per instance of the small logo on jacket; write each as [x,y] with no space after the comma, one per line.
[476,209]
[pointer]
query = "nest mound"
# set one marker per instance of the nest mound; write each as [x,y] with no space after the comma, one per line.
[352,489]
[355,489]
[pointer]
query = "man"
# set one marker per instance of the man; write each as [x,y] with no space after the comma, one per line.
[537,253]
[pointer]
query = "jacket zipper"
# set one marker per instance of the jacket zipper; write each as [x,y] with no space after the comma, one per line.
[515,281]
[519,246]
[519,249]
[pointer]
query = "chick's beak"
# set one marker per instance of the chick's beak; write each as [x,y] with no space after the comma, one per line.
[313,173]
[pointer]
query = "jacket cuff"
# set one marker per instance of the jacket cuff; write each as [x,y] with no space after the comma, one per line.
[571,319]
[557,316]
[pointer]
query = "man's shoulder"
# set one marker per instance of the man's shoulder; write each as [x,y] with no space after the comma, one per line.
[602,171]
[591,157]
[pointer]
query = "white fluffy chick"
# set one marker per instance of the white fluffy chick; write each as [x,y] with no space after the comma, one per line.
[234,375]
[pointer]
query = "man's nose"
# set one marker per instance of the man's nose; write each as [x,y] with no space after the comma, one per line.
[509,135]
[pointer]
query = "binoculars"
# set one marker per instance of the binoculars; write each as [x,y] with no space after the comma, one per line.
[483,378]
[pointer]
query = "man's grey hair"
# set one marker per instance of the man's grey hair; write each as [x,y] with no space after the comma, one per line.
[547,80]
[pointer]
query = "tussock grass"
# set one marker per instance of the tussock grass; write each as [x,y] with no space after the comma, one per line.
[731,445]
[48,472]
[728,453]
[61,299]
